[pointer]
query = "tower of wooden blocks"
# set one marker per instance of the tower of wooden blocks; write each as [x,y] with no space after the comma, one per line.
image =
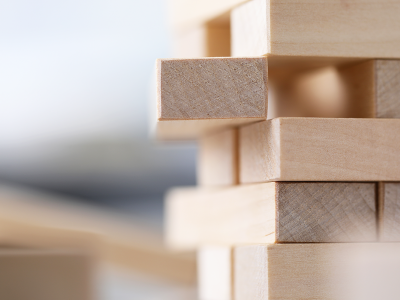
[299,146]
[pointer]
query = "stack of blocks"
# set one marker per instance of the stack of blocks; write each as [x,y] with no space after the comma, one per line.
[299,147]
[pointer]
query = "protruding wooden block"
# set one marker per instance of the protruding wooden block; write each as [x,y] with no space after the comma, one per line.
[317,28]
[273,212]
[207,40]
[195,96]
[343,271]
[373,87]
[45,275]
[317,149]
[215,272]
[218,159]
[389,211]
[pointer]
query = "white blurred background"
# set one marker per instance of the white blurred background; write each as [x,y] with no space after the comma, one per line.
[74,87]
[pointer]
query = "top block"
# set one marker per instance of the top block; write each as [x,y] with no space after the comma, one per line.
[331,28]
[195,96]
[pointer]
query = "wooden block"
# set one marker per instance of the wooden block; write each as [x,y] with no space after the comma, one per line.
[317,149]
[389,211]
[333,28]
[199,95]
[345,271]
[374,88]
[218,159]
[271,213]
[45,275]
[40,220]
[207,40]
[185,14]
[215,272]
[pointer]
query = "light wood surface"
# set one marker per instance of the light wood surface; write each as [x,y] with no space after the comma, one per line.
[373,88]
[215,272]
[271,212]
[218,159]
[191,13]
[345,271]
[206,40]
[389,200]
[334,28]
[220,90]
[32,219]
[45,275]
[318,149]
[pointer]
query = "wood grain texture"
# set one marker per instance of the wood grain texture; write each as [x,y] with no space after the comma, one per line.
[317,271]
[389,212]
[369,29]
[212,88]
[215,272]
[318,149]
[387,76]
[218,160]
[207,40]
[39,220]
[45,275]
[271,212]
[209,93]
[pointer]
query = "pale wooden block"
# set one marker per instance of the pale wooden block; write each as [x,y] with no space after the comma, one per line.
[215,272]
[207,40]
[218,159]
[389,211]
[271,212]
[344,271]
[316,28]
[198,95]
[38,220]
[318,149]
[373,87]
[45,275]
[185,14]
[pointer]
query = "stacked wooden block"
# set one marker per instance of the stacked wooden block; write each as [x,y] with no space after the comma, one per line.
[299,190]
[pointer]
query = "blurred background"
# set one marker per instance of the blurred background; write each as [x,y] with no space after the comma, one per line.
[75,80]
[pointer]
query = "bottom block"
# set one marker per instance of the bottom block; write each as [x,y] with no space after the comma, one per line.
[45,275]
[317,271]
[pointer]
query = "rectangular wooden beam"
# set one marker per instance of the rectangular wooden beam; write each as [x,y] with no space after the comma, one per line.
[270,213]
[215,272]
[389,211]
[45,275]
[342,271]
[218,159]
[195,96]
[318,149]
[333,28]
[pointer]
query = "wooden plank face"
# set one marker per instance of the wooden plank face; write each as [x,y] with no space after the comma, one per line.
[318,149]
[218,159]
[342,271]
[387,74]
[369,29]
[389,212]
[212,88]
[319,212]
[272,212]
